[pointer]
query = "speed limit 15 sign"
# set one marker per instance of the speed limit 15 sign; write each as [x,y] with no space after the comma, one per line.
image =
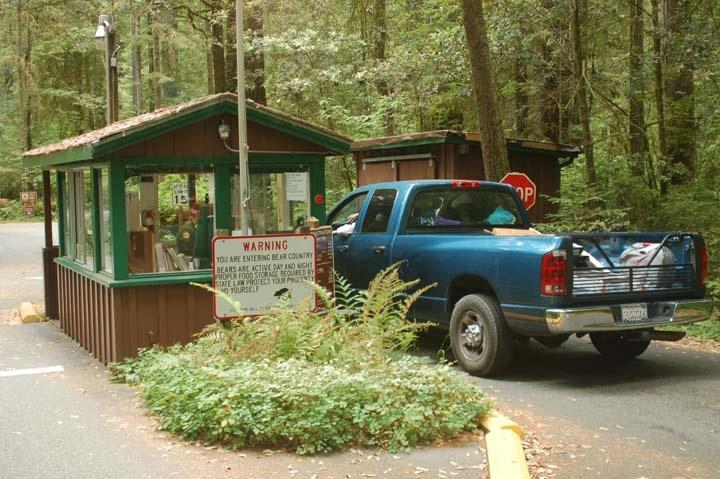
[180,194]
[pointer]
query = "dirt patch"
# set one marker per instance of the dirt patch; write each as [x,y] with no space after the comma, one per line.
[696,344]
[9,316]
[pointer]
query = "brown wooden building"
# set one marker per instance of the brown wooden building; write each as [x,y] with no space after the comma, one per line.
[140,200]
[457,154]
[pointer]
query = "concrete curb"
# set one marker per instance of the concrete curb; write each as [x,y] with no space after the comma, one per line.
[503,442]
[28,314]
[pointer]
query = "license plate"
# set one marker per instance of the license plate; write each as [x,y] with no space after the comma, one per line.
[634,313]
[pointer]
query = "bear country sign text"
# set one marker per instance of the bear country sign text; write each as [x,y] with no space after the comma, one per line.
[255,271]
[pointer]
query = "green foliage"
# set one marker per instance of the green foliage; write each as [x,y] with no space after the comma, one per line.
[313,382]
[354,329]
[13,213]
[705,329]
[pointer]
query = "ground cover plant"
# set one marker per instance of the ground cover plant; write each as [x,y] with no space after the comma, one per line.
[312,382]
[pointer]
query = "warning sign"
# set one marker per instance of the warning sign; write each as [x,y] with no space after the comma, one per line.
[256,271]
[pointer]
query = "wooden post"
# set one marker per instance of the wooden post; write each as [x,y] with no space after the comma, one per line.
[50,252]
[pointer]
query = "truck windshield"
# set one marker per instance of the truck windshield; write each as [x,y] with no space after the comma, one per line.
[464,208]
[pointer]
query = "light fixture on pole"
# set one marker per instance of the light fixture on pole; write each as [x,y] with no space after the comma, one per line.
[105,41]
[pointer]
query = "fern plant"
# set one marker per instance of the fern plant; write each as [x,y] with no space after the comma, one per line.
[353,327]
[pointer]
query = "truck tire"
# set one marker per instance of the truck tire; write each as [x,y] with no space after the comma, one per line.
[617,347]
[481,341]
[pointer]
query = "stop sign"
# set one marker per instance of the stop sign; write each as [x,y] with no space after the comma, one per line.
[523,185]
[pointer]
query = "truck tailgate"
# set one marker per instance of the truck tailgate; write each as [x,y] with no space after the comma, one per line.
[606,277]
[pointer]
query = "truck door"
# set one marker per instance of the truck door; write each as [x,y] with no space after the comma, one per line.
[343,221]
[367,250]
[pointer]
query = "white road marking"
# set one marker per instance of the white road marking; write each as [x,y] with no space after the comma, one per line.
[28,372]
[33,277]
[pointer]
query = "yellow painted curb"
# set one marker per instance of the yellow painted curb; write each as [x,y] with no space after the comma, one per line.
[503,442]
[28,314]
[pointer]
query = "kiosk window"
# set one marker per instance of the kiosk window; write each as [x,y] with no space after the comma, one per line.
[377,216]
[105,230]
[279,202]
[78,217]
[170,221]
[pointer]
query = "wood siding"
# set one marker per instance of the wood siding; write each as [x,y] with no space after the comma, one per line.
[201,139]
[462,162]
[112,324]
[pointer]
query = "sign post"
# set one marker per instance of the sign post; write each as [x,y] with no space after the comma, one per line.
[28,199]
[256,271]
[524,186]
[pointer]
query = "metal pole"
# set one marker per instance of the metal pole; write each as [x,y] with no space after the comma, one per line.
[108,77]
[242,121]
[114,76]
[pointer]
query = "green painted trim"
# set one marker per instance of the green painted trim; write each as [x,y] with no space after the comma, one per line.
[73,155]
[167,125]
[60,181]
[137,280]
[223,210]
[317,187]
[334,144]
[406,143]
[540,152]
[118,220]
[160,279]
[97,241]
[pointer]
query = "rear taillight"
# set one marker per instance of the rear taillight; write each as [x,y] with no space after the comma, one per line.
[553,274]
[703,265]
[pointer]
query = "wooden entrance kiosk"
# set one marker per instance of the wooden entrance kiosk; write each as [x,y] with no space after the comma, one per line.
[138,204]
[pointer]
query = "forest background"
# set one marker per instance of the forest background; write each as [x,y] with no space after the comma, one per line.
[635,83]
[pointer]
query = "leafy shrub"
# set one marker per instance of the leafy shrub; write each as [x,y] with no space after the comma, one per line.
[310,381]
[13,212]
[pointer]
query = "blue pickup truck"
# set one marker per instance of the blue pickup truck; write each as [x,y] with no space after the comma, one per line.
[499,282]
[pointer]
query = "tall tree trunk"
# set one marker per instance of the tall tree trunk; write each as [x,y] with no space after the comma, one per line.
[636,131]
[255,59]
[492,136]
[209,66]
[522,108]
[680,94]
[23,65]
[136,65]
[659,88]
[581,91]
[217,48]
[379,45]
[154,63]
[549,102]
[231,50]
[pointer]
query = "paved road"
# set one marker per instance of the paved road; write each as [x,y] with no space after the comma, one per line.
[655,417]
[76,424]
[20,264]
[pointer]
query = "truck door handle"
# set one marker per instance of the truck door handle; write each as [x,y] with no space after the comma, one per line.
[343,249]
[379,249]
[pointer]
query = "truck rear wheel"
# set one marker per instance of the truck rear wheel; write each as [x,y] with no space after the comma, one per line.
[618,346]
[481,341]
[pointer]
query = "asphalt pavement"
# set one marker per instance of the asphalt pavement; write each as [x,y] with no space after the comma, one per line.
[21,270]
[61,416]
[655,417]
